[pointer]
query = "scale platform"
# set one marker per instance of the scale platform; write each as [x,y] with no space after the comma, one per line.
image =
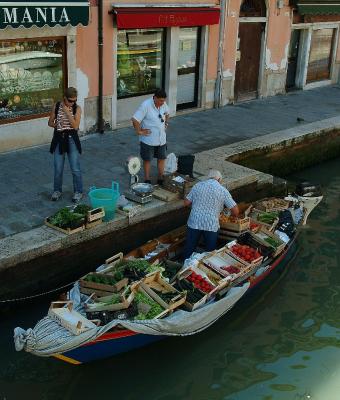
[130,195]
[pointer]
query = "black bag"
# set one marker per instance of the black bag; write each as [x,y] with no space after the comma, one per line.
[185,164]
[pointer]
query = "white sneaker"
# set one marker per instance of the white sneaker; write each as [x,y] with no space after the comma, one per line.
[56,195]
[77,197]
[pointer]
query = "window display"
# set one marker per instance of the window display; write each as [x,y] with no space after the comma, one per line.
[31,77]
[140,55]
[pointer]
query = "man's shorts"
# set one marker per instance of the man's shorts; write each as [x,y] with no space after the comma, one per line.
[148,152]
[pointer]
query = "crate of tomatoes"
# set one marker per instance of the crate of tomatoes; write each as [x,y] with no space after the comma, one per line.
[201,283]
[246,254]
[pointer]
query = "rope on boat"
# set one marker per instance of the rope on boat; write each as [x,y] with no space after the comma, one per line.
[37,295]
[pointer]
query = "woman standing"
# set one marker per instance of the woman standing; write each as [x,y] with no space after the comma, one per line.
[65,119]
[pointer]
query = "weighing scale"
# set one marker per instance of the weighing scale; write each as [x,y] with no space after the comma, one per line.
[138,192]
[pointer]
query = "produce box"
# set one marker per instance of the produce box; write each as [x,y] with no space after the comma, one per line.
[195,297]
[245,253]
[224,263]
[105,282]
[66,230]
[268,219]
[94,217]
[269,238]
[183,188]
[161,291]
[250,239]
[201,283]
[113,302]
[271,204]
[63,313]
[236,224]
[107,316]
[148,307]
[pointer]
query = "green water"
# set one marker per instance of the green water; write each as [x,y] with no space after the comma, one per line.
[284,346]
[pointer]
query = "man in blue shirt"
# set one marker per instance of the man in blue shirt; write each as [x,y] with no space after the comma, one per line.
[207,200]
[150,122]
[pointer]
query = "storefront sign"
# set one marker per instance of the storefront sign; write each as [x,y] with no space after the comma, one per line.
[159,17]
[41,13]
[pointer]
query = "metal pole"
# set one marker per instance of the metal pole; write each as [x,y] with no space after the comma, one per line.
[218,85]
[100,122]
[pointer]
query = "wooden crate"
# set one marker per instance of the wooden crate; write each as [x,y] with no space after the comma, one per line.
[154,281]
[214,275]
[272,204]
[63,313]
[253,218]
[182,188]
[252,264]
[99,303]
[94,217]
[234,224]
[101,289]
[221,258]
[138,287]
[187,304]
[67,231]
[173,243]
[264,232]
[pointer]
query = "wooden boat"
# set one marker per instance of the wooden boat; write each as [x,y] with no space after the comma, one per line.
[119,339]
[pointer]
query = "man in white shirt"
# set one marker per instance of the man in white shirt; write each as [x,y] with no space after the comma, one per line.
[150,122]
[207,200]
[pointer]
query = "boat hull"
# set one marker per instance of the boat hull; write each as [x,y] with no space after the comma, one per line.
[113,343]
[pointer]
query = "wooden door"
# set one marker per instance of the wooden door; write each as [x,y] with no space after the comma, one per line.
[248,66]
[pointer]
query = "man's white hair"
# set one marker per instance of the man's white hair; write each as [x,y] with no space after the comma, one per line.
[213,173]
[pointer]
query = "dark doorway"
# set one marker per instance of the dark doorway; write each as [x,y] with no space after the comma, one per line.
[248,64]
[292,59]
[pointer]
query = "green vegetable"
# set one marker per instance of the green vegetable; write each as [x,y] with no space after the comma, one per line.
[272,242]
[155,309]
[65,218]
[82,209]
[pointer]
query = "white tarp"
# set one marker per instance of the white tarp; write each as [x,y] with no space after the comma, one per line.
[48,337]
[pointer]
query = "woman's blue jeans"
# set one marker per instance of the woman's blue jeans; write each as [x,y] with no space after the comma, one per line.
[193,237]
[74,161]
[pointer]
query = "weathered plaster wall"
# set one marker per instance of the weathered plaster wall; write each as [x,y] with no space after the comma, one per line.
[276,49]
[88,68]
[272,74]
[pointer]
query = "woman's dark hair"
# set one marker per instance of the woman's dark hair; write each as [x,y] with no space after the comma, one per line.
[160,93]
[71,92]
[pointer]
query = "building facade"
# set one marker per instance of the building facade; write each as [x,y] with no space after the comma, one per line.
[116,54]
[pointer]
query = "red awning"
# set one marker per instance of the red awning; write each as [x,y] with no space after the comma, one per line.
[158,17]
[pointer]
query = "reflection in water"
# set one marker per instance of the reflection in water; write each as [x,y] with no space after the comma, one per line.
[284,347]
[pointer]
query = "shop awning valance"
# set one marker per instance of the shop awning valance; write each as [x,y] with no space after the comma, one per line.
[158,17]
[40,13]
[319,7]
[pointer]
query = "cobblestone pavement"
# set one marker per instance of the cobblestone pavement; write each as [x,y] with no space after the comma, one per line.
[26,175]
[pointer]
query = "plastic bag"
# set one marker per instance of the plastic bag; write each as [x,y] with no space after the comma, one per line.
[170,164]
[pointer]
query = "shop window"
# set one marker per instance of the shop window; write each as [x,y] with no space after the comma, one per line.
[320,56]
[140,61]
[32,77]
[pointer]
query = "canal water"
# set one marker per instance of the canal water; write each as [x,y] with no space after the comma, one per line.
[284,346]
